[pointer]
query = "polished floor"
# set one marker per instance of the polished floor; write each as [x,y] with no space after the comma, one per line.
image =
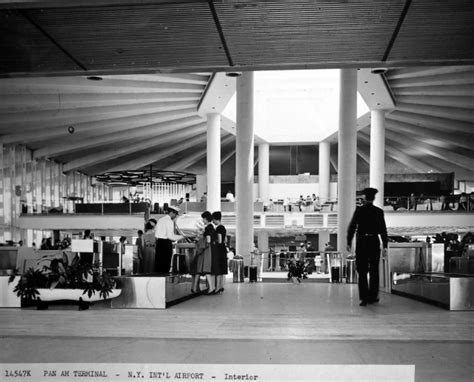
[264,323]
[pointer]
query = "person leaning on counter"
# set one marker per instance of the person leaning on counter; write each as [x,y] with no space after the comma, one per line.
[165,235]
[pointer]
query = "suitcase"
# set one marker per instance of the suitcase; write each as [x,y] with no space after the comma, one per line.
[335,274]
[253,273]
[179,264]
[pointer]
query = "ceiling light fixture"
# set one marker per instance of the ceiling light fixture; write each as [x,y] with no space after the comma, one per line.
[233,74]
[378,70]
[94,78]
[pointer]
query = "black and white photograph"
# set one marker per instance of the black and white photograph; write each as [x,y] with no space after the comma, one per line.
[237,190]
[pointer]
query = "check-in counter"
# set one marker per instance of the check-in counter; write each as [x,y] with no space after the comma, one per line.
[411,269]
[450,291]
[152,291]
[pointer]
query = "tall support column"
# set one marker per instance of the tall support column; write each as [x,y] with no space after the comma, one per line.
[201,186]
[324,177]
[323,238]
[377,154]
[244,163]
[2,193]
[347,153]
[264,248]
[263,172]
[213,162]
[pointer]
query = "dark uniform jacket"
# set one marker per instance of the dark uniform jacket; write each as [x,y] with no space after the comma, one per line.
[368,220]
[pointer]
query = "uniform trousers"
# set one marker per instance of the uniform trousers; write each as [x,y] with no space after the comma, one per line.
[367,264]
[164,253]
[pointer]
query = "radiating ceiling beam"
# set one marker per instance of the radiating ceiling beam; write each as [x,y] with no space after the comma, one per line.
[38,102]
[363,154]
[427,71]
[460,139]
[363,150]
[79,84]
[116,152]
[45,118]
[227,156]
[396,145]
[451,113]
[362,122]
[443,80]
[187,161]
[454,90]
[150,131]
[461,102]
[183,78]
[400,156]
[192,159]
[333,160]
[148,159]
[92,129]
[421,147]
[431,122]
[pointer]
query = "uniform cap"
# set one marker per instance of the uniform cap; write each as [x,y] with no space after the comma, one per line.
[369,192]
[174,209]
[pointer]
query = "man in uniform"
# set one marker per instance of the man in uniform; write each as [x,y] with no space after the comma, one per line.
[369,223]
[165,235]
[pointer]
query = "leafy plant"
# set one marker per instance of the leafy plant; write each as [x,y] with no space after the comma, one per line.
[60,274]
[297,269]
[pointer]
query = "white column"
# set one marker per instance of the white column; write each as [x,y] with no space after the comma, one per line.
[201,186]
[323,238]
[377,154]
[244,166]
[324,165]
[347,153]
[213,162]
[264,248]
[263,172]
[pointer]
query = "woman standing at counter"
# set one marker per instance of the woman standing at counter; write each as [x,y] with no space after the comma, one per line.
[148,251]
[219,258]
[204,254]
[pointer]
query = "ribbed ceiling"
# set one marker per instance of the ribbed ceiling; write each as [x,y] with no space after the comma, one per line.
[141,114]
[311,31]
[436,31]
[120,122]
[432,126]
[131,122]
[120,36]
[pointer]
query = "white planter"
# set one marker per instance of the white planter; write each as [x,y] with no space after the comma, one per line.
[46,294]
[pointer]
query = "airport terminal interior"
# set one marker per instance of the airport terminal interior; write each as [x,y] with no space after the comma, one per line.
[117,115]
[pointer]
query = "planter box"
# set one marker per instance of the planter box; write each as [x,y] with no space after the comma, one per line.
[8,298]
[72,295]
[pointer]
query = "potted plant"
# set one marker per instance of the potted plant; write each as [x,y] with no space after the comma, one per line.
[297,270]
[59,279]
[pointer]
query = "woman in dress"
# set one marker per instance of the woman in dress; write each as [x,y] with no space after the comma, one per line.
[204,254]
[148,249]
[219,259]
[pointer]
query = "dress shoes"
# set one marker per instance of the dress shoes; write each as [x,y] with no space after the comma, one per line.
[363,303]
[373,300]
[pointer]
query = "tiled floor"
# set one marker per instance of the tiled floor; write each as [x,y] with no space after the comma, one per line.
[264,323]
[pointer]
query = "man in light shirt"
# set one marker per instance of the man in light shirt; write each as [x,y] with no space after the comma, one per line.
[165,235]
